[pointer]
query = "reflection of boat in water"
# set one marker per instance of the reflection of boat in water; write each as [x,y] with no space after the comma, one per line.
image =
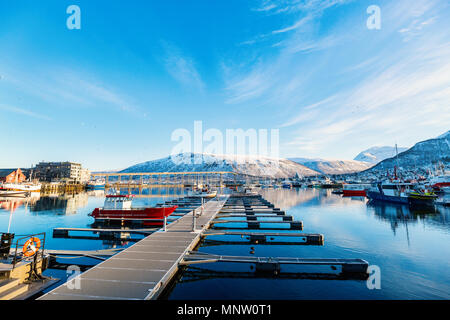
[119,207]
[12,203]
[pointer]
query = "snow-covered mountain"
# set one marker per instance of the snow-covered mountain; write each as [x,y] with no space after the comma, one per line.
[377,154]
[444,135]
[333,166]
[423,154]
[251,165]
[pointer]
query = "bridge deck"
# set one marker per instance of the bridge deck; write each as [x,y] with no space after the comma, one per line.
[142,270]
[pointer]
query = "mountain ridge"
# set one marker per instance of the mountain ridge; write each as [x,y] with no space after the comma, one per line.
[203,162]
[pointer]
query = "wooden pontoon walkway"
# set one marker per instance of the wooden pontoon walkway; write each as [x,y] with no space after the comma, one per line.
[142,270]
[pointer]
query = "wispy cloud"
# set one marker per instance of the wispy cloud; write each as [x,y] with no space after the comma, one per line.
[24,112]
[390,89]
[62,86]
[182,68]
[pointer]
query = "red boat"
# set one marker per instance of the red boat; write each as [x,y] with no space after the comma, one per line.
[119,207]
[354,190]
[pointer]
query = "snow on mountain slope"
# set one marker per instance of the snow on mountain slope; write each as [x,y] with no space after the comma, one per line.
[333,166]
[444,135]
[377,154]
[251,165]
[424,154]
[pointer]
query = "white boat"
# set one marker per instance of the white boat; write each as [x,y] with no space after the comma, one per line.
[203,193]
[19,188]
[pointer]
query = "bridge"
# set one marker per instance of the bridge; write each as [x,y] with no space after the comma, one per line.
[164,179]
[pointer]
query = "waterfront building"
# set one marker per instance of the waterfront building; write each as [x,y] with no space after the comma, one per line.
[12,175]
[60,171]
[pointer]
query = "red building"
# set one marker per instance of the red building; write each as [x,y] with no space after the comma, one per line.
[12,175]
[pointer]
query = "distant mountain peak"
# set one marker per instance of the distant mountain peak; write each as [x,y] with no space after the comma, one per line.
[377,154]
[423,155]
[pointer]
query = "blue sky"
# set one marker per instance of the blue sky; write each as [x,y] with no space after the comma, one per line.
[110,94]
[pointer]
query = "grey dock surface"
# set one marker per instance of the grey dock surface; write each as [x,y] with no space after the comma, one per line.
[141,271]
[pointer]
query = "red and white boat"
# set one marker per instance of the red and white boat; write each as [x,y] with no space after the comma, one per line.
[119,207]
[439,182]
[355,189]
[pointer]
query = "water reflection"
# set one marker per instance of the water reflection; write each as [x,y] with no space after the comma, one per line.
[353,228]
[12,203]
[65,204]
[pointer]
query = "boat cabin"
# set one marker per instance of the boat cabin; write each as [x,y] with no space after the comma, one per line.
[118,202]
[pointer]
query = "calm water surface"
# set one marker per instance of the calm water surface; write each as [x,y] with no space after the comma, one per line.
[411,247]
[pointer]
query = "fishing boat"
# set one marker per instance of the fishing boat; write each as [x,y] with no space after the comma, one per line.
[355,189]
[119,207]
[391,191]
[421,195]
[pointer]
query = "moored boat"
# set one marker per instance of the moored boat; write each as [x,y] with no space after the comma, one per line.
[355,189]
[119,207]
[396,192]
[286,184]
[204,192]
[421,195]
[18,189]
[440,182]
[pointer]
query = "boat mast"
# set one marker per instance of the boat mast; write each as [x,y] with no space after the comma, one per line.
[396,155]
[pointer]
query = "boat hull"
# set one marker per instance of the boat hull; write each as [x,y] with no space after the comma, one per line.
[419,199]
[354,193]
[377,196]
[10,193]
[144,213]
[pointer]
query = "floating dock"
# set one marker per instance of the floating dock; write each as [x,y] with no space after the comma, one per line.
[142,270]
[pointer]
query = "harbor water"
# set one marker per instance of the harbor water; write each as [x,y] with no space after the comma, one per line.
[410,246]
